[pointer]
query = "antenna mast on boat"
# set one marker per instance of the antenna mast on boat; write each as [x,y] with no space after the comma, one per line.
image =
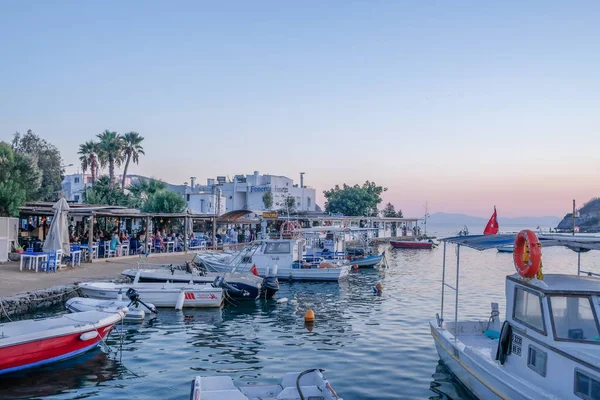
[426,216]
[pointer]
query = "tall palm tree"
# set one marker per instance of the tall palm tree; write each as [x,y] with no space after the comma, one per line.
[89,158]
[110,152]
[132,149]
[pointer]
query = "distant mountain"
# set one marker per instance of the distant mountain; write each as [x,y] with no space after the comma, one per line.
[588,220]
[460,220]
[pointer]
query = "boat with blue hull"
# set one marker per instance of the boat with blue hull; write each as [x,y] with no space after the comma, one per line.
[548,345]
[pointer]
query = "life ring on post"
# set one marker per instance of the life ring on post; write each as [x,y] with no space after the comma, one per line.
[504,342]
[527,254]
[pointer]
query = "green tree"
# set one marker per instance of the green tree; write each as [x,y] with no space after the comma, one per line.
[268,200]
[110,152]
[103,192]
[142,189]
[20,180]
[354,200]
[88,156]
[164,201]
[47,159]
[389,211]
[132,149]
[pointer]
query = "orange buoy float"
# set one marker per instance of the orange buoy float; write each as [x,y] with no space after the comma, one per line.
[309,316]
[527,254]
[379,287]
[355,267]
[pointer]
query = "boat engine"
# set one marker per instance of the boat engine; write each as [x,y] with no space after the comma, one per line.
[270,286]
[219,282]
[134,298]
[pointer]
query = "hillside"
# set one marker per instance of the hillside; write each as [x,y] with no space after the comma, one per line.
[588,221]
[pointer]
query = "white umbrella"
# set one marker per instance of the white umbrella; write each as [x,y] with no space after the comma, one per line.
[58,234]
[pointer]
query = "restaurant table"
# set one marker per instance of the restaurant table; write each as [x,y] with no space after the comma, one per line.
[170,244]
[34,258]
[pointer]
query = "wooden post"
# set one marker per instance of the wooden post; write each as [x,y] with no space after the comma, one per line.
[186,234]
[91,237]
[147,234]
[215,232]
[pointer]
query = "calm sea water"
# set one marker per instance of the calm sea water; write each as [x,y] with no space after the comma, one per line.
[372,347]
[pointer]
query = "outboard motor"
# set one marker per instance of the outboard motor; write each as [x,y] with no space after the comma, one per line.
[134,298]
[270,286]
[219,282]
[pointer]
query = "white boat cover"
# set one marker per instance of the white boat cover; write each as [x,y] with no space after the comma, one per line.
[58,234]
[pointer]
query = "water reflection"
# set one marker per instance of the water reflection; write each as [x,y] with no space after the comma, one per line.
[90,369]
[445,386]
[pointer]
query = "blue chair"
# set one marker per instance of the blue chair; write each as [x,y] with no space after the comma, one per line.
[54,260]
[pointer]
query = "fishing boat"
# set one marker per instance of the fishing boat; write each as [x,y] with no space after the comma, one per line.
[506,249]
[239,286]
[35,342]
[310,385]
[282,258]
[412,244]
[366,260]
[136,311]
[166,294]
[548,345]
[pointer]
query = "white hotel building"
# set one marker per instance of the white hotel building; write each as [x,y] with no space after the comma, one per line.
[245,192]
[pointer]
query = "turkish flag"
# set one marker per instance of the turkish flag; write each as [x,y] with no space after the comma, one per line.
[254,270]
[492,226]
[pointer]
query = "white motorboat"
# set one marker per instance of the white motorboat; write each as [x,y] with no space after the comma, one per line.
[165,294]
[282,258]
[35,342]
[548,347]
[135,311]
[239,286]
[310,385]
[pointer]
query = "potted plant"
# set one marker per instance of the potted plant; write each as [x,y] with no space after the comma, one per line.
[18,249]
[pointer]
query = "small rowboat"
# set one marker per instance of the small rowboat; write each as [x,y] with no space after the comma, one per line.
[506,249]
[165,294]
[310,384]
[368,261]
[412,244]
[136,312]
[35,342]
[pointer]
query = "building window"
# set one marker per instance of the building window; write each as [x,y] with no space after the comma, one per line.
[528,309]
[76,197]
[573,318]
[586,387]
[187,197]
[308,202]
[76,180]
[536,360]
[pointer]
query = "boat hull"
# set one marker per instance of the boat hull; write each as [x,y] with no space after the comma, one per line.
[252,290]
[50,349]
[82,304]
[368,261]
[161,295]
[406,244]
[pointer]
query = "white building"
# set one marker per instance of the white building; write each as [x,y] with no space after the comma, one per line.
[246,192]
[207,199]
[73,186]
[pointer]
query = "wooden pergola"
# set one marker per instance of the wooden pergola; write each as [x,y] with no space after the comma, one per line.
[93,212]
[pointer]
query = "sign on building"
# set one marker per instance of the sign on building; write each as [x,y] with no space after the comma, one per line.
[269,214]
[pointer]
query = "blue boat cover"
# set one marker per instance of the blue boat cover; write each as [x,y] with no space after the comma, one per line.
[484,242]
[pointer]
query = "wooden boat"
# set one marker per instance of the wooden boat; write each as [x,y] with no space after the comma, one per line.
[548,345]
[412,244]
[310,384]
[368,260]
[275,257]
[35,342]
[135,312]
[166,294]
[240,286]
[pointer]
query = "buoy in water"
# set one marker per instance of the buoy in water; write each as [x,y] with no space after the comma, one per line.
[309,316]
[284,300]
[355,267]
[180,301]
[379,287]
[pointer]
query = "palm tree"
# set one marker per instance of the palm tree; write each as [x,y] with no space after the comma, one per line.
[132,149]
[110,152]
[89,158]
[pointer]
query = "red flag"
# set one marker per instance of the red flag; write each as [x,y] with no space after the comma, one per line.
[254,270]
[492,226]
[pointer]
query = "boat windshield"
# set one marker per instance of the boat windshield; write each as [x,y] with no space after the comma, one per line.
[574,319]
[277,248]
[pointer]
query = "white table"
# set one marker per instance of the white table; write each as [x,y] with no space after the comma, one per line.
[170,244]
[34,258]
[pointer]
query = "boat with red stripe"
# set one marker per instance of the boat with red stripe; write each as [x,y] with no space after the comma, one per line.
[36,342]
[412,244]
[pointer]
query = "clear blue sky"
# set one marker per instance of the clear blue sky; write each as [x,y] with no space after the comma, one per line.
[466,104]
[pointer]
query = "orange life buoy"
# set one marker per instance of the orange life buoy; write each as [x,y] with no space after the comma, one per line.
[527,254]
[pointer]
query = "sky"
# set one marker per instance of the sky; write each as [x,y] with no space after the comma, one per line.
[463,104]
